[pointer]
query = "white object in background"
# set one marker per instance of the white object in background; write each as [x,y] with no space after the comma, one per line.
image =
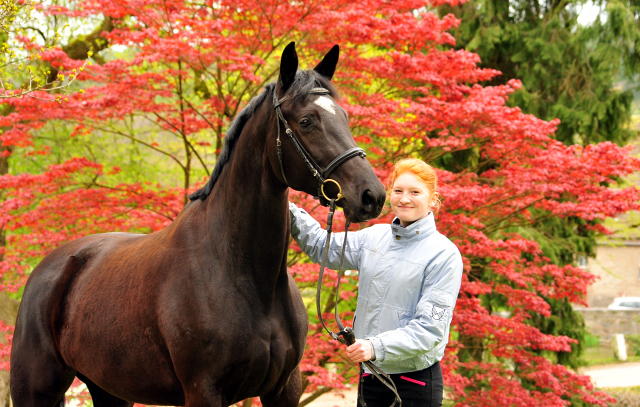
[619,347]
[625,303]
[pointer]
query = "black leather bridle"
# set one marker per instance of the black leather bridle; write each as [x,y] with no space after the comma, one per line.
[345,335]
[322,175]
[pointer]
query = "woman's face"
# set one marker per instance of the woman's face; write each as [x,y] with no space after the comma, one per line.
[410,198]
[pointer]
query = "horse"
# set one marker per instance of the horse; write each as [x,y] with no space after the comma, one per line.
[203,312]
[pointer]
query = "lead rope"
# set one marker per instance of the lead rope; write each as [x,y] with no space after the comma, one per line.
[346,335]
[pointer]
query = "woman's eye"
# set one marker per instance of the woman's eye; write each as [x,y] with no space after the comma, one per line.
[305,123]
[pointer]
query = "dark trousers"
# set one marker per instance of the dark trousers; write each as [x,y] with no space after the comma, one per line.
[416,389]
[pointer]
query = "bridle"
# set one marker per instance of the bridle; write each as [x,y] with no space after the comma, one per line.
[345,335]
[321,175]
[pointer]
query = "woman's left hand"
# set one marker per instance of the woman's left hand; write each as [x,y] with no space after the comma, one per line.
[360,351]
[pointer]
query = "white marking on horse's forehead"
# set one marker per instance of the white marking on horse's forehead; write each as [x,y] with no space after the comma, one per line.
[325,103]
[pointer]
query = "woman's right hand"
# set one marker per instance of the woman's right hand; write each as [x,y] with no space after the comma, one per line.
[360,351]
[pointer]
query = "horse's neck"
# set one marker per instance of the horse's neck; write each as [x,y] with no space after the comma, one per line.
[249,210]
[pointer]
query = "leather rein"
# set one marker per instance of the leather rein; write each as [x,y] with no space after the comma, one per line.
[345,335]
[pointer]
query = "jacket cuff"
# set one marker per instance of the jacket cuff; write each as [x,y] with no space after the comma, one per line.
[373,350]
[378,348]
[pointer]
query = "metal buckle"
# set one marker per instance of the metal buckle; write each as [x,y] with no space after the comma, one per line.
[320,91]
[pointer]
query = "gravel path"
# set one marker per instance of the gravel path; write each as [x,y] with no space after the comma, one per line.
[618,375]
[344,398]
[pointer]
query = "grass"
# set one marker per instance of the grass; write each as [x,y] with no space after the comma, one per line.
[597,352]
[611,361]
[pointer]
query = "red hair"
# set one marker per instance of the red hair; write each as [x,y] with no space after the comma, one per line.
[424,172]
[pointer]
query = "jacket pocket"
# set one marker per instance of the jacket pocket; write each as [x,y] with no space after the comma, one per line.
[441,298]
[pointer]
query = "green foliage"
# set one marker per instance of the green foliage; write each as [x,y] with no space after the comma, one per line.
[591,341]
[126,162]
[568,71]
[634,344]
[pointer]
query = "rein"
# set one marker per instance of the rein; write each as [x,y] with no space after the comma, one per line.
[345,335]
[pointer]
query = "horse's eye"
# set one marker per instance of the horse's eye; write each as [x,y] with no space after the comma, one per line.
[305,122]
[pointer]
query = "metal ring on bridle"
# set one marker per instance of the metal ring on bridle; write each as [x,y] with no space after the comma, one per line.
[339,196]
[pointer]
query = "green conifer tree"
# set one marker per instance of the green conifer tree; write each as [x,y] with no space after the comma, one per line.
[582,74]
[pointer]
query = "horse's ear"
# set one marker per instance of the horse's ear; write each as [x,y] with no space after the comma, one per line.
[327,66]
[288,67]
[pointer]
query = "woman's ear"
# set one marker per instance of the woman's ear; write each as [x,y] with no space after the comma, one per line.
[434,201]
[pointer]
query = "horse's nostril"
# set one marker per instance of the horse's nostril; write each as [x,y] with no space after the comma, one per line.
[368,201]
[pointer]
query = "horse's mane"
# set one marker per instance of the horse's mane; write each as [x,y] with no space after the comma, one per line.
[303,83]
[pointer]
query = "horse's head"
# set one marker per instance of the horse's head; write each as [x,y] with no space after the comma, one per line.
[320,145]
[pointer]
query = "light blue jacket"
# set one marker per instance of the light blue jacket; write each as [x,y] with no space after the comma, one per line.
[409,280]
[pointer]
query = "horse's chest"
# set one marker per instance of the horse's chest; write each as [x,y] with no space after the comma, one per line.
[284,338]
[265,355]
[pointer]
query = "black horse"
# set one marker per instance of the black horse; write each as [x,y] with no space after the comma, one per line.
[204,312]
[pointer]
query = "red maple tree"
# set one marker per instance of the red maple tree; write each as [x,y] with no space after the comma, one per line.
[188,70]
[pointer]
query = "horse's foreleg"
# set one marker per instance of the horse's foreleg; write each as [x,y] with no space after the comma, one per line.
[202,395]
[290,394]
[102,398]
[38,379]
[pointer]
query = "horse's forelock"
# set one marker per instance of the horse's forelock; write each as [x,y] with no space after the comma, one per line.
[307,80]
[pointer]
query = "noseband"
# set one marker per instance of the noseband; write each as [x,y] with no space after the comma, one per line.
[322,175]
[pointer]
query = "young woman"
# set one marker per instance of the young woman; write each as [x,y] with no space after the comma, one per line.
[409,278]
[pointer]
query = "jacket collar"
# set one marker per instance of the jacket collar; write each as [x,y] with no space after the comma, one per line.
[417,230]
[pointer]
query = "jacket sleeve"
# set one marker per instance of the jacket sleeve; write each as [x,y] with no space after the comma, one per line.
[311,238]
[434,311]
